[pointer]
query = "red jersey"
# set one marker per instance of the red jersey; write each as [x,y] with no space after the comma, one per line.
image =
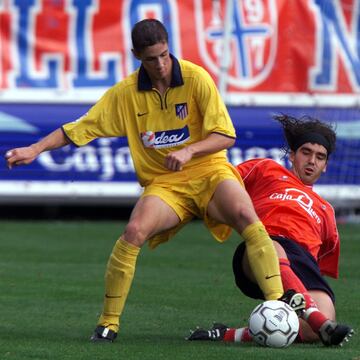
[289,208]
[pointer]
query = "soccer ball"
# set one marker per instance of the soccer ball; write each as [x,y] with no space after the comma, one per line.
[274,323]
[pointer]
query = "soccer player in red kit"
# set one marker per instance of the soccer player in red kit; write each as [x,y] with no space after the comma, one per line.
[303,228]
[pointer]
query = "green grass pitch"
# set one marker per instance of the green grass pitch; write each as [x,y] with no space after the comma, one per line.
[51,288]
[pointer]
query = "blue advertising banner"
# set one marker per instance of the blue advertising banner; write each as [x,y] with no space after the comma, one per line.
[103,170]
[57,57]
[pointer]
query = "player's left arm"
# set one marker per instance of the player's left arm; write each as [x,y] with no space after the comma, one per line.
[213,143]
[26,155]
[328,257]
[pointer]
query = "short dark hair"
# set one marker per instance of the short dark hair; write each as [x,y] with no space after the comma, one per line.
[148,32]
[297,131]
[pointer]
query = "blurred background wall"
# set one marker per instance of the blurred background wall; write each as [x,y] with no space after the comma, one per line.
[57,57]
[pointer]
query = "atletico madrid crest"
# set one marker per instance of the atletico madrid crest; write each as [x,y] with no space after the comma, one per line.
[181,110]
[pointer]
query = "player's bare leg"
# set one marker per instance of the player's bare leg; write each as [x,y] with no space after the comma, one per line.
[326,306]
[150,216]
[330,333]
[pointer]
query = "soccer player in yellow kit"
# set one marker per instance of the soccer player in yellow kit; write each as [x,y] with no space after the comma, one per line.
[178,130]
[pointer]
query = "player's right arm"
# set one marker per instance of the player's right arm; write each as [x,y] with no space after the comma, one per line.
[26,155]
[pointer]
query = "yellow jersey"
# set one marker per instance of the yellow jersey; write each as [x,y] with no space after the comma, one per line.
[156,124]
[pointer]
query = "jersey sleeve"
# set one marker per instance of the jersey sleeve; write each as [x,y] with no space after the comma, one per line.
[102,120]
[214,112]
[329,253]
[248,167]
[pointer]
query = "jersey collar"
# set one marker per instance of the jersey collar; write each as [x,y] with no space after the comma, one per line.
[144,82]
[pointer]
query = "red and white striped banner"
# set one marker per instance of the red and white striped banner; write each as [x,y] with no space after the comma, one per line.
[282,52]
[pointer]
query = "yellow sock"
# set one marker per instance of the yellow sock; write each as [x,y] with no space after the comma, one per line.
[263,260]
[118,278]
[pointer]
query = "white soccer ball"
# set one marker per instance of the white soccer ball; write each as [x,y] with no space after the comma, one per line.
[274,323]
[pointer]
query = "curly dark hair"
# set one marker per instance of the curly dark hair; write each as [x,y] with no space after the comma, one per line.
[148,32]
[306,126]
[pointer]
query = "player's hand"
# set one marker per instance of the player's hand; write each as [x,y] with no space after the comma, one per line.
[20,156]
[175,160]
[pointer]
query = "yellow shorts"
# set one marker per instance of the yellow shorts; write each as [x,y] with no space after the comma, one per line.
[188,193]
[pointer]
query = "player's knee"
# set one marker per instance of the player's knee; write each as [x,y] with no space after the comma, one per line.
[134,234]
[279,250]
[243,216]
